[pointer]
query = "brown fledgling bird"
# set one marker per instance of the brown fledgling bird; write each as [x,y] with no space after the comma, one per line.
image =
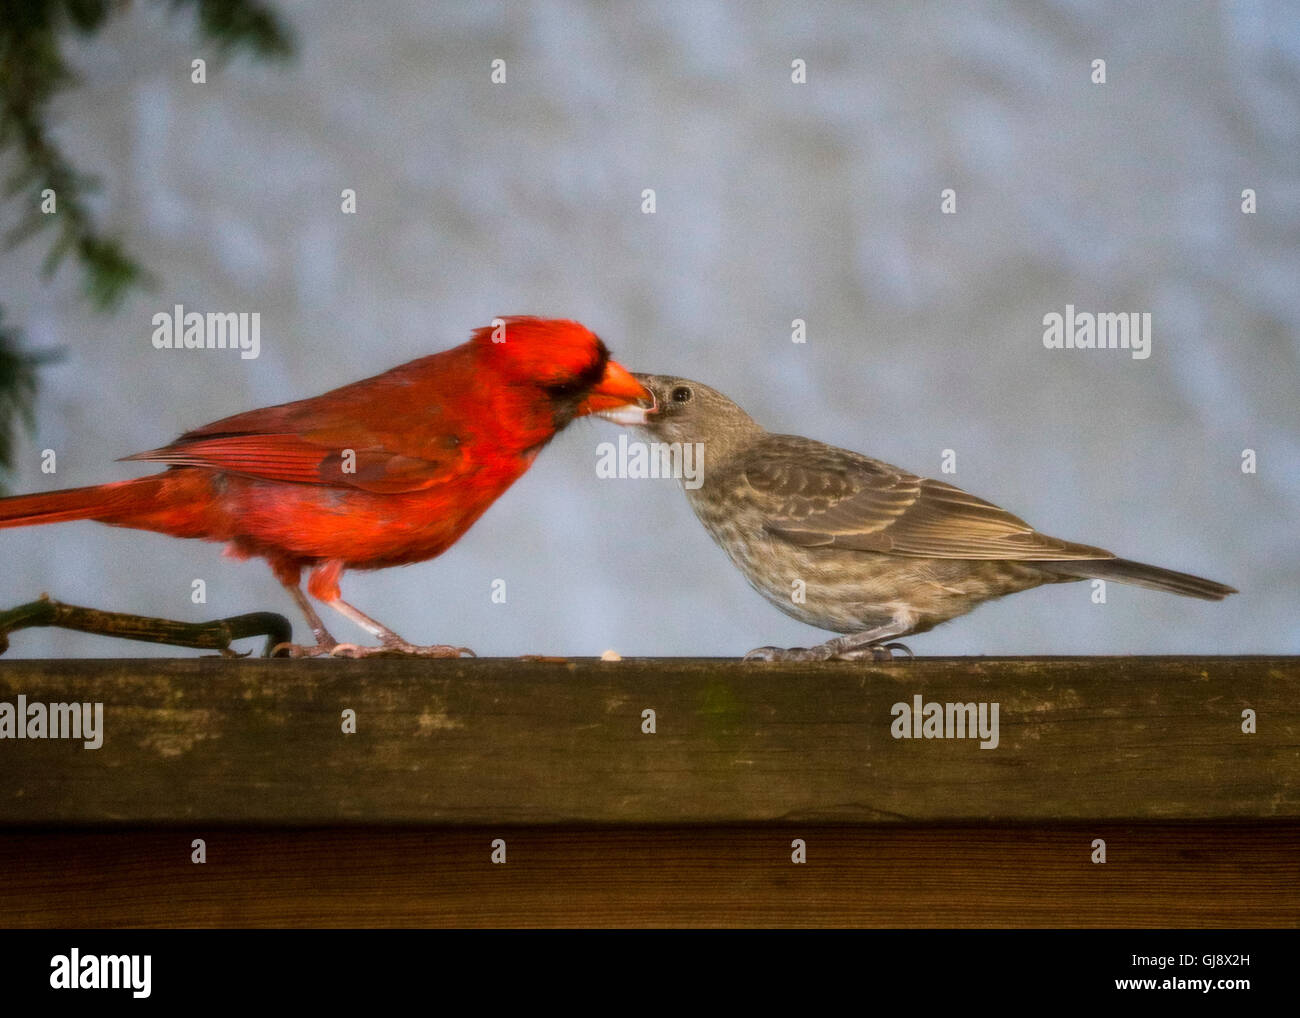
[856,546]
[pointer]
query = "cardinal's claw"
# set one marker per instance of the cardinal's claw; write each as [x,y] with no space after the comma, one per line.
[353,650]
[436,650]
[400,648]
[296,650]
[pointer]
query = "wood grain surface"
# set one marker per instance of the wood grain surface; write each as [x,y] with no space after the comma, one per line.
[1187,875]
[512,742]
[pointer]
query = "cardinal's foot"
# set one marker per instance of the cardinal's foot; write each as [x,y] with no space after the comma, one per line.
[299,650]
[400,648]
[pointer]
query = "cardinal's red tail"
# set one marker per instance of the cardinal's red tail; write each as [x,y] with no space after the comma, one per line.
[120,502]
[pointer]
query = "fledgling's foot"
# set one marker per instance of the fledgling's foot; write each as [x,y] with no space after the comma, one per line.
[874,652]
[818,653]
[829,651]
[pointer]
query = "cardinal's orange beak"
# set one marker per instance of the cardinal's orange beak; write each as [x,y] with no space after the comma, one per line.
[616,388]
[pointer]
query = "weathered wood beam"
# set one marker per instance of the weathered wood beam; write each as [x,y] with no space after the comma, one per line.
[1180,875]
[501,741]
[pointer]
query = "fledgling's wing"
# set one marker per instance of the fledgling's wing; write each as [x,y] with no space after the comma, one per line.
[815,495]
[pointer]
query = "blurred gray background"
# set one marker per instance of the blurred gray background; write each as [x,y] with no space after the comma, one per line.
[775,201]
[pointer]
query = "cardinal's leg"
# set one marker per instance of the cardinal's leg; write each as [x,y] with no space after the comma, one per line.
[324,585]
[289,574]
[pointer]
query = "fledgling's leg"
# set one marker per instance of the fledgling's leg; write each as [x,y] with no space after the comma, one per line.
[852,647]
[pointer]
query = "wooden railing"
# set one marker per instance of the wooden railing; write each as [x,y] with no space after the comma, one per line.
[598,775]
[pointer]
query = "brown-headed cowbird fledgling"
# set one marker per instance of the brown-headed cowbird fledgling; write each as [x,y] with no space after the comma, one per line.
[856,546]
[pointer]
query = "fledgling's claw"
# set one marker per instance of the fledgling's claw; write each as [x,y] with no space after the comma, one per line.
[832,650]
[819,653]
[874,652]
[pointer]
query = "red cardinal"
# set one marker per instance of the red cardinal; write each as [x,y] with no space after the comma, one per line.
[383,472]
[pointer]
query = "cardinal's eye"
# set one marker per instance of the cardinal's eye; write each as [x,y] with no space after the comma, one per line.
[681,394]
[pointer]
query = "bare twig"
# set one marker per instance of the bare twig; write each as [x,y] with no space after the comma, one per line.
[215,635]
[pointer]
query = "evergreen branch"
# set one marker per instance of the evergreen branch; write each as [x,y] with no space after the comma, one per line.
[32,72]
[17,390]
[241,24]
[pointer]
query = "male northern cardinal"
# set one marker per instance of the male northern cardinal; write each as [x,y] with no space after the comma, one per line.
[879,552]
[383,472]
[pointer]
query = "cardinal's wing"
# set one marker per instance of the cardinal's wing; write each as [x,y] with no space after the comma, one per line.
[311,459]
[814,495]
[386,434]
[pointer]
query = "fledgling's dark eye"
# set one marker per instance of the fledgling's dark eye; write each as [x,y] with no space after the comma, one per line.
[682,394]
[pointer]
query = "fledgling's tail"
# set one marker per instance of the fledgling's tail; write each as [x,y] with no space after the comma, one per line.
[1123,570]
[117,502]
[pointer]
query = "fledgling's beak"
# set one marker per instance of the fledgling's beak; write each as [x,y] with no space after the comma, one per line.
[636,415]
[615,394]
